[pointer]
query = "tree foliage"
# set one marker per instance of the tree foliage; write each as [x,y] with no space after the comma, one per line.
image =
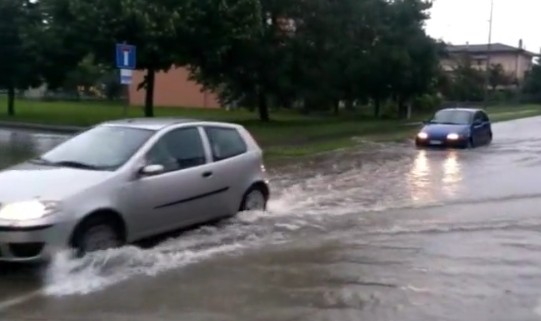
[497,77]
[161,30]
[465,82]
[20,26]
[532,84]
[318,54]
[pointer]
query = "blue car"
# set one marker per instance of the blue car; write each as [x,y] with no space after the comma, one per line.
[456,128]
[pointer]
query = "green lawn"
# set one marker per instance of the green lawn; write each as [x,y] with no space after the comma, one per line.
[289,134]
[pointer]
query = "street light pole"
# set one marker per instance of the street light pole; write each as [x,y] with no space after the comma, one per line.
[489,49]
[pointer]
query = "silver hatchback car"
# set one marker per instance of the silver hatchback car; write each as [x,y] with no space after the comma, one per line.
[123,181]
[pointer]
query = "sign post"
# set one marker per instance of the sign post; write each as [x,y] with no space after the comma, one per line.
[126,61]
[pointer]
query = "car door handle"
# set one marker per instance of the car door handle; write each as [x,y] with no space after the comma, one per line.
[207,174]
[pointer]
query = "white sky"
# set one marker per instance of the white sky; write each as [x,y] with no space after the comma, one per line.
[461,21]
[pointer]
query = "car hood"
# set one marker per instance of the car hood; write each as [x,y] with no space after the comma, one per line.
[443,129]
[28,181]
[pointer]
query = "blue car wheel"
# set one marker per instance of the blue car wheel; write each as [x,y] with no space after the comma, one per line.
[470,143]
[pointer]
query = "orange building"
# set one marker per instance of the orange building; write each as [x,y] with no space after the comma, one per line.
[173,89]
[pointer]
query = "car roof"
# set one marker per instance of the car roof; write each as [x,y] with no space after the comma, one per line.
[468,109]
[158,123]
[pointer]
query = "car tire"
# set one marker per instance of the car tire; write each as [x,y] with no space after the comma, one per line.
[254,199]
[95,234]
[471,143]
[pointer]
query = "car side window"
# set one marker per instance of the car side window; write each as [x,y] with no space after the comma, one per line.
[225,142]
[178,149]
[484,117]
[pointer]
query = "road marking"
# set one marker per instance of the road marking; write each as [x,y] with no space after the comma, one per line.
[9,303]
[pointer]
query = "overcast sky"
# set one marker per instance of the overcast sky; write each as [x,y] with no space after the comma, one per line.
[461,21]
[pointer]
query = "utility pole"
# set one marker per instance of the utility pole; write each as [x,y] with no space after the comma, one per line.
[489,51]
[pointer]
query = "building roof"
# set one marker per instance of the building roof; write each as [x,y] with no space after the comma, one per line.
[484,48]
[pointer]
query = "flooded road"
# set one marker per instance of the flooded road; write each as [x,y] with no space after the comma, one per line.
[386,233]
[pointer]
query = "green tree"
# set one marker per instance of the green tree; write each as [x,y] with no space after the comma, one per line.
[497,76]
[241,63]
[417,55]
[532,84]
[354,49]
[20,26]
[467,82]
[335,42]
[165,32]
[86,74]
[96,26]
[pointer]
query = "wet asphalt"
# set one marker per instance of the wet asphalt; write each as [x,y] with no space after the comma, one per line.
[383,233]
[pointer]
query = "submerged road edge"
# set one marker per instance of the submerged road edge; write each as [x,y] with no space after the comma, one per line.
[41,127]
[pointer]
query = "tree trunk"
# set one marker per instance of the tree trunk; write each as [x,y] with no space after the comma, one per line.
[336,107]
[349,104]
[263,106]
[377,107]
[402,108]
[149,97]
[11,100]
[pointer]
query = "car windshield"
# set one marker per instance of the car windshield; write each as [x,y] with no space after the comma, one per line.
[99,148]
[453,117]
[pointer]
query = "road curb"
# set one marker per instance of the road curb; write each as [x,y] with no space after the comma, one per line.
[40,127]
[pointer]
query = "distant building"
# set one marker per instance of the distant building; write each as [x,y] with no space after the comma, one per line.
[35,93]
[516,61]
[173,89]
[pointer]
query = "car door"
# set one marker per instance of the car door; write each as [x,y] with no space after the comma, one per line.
[477,129]
[185,192]
[487,128]
[231,164]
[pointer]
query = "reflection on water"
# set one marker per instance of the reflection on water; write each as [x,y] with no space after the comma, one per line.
[418,178]
[430,175]
[16,146]
[452,174]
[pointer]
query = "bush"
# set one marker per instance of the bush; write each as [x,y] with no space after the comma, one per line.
[427,103]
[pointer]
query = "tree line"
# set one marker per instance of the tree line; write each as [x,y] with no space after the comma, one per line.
[314,55]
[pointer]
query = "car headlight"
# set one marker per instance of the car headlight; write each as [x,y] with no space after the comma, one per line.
[28,210]
[453,136]
[422,135]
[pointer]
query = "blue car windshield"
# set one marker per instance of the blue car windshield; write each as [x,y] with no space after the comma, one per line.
[452,117]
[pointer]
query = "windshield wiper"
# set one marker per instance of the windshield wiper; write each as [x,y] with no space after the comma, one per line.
[76,164]
[445,123]
[40,161]
[73,164]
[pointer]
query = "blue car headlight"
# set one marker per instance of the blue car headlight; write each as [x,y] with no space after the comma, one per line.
[453,136]
[422,135]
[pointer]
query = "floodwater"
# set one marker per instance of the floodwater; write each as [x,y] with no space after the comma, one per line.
[384,233]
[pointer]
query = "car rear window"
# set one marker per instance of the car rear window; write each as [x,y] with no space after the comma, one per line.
[225,142]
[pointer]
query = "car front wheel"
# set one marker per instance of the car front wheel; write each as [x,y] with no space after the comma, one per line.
[470,143]
[254,200]
[96,234]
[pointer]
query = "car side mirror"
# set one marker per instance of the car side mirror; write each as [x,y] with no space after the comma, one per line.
[151,170]
[477,122]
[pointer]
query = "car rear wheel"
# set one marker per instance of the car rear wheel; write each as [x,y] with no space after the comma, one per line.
[95,235]
[254,200]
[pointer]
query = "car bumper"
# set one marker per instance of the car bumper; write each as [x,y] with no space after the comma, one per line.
[32,243]
[442,143]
